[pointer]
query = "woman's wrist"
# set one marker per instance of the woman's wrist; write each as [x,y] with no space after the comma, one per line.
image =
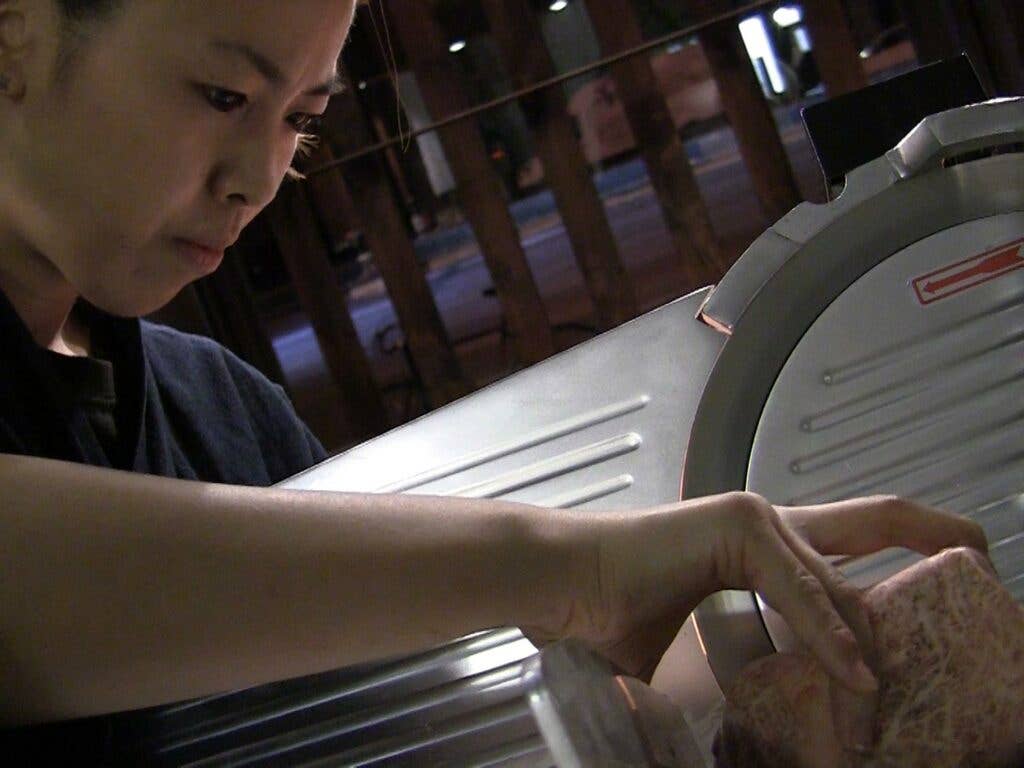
[561,554]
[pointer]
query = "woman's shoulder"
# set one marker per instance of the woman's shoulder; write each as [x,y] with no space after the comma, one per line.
[197,369]
[182,353]
[168,340]
[217,392]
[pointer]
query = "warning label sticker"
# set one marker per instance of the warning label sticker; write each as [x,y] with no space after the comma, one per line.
[955,278]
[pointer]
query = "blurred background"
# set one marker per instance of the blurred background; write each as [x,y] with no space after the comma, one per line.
[504,179]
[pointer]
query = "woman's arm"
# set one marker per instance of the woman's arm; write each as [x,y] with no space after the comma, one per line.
[122,591]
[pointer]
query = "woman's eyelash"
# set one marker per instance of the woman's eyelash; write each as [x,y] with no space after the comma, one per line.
[224,100]
[308,124]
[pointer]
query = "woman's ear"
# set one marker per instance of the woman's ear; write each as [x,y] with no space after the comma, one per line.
[12,50]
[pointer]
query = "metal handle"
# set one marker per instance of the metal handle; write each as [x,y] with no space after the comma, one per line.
[943,137]
[589,716]
[662,726]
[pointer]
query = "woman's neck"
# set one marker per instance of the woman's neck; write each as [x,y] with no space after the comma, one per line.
[44,301]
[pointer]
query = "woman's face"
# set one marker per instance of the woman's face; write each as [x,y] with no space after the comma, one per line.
[177,122]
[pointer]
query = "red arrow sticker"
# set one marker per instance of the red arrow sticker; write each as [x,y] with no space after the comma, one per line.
[954,278]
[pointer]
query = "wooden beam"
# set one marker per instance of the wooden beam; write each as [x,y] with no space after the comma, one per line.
[668,166]
[1001,31]
[305,255]
[989,31]
[231,307]
[367,61]
[835,50]
[480,189]
[942,29]
[750,117]
[222,307]
[186,312]
[518,33]
[931,26]
[362,186]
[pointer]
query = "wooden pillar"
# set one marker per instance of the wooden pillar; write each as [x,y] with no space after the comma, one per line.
[566,171]
[479,187]
[405,163]
[1001,32]
[931,26]
[305,255]
[989,31]
[222,307]
[668,166]
[186,312]
[231,308]
[369,65]
[362,185]
[942,29]
[835,50]
[750,117]
[1015,16]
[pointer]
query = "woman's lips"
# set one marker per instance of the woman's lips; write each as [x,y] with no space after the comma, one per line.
[206,260]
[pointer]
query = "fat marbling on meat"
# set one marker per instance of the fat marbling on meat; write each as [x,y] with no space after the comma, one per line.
[949,656]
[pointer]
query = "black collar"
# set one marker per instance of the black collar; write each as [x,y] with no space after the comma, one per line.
[31,402]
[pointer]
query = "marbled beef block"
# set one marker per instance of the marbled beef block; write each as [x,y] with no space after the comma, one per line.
[950,647]
[949,654]
[778,715]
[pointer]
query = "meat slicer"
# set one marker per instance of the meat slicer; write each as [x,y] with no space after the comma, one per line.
[872,344]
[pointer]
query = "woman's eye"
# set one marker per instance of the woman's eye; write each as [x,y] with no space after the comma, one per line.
[223,100]
[306,123]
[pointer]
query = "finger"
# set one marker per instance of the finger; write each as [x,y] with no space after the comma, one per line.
[853,712]
[864,526]
[774,570]
[846,598]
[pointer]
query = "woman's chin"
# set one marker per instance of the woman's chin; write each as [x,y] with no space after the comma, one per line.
[134,305]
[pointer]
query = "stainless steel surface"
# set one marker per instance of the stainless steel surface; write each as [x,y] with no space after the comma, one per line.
[599,426]
[422,710]
[944,137]
[880,213]
[807,373]
[581,710]
[923,401]
[938,139]
[590,716]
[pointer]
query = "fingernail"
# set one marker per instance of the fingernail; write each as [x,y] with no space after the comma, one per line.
[863,679]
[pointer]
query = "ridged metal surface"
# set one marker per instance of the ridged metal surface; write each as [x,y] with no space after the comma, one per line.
[576,423]
[837,427]
[545,469]
[922,400]
[423,710]
[561,434]
[565,432]
[917,400]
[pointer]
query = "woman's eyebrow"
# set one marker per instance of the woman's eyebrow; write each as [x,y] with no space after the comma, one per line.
[272,72]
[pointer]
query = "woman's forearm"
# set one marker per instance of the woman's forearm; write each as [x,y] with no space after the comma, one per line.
[123,591]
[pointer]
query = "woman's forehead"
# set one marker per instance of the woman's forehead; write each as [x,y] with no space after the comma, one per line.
[287,35]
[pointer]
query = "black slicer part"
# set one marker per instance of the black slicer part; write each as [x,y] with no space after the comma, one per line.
[857,127]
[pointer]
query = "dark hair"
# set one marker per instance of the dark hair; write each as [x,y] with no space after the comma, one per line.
[78,18]
[85,9]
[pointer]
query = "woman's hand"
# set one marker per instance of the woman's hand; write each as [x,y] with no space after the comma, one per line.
[640,574]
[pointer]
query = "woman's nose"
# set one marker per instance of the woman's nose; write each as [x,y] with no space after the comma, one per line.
[251,170]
